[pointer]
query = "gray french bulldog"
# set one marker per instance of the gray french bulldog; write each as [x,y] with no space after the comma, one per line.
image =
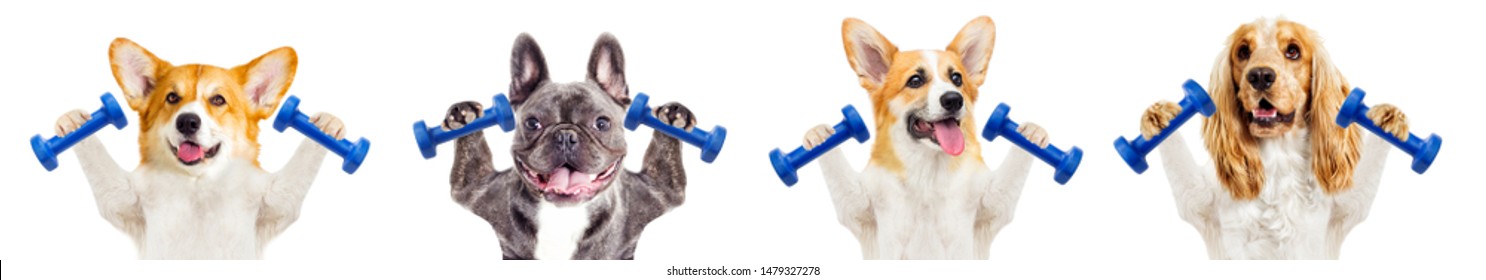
[568,195]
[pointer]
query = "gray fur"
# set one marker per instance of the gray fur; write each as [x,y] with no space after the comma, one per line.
[619,213]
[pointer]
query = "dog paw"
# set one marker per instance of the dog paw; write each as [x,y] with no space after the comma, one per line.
[1391,119]
[676,115]
[70,121]
[818,135]
[462,113]
[1157,117]
[1034,133]
[330,124]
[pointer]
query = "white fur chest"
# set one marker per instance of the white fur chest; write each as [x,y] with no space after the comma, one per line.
[208,217]
[1289,218]
[930,214]
[559,229]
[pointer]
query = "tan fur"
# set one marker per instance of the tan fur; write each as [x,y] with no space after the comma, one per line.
[1310,87]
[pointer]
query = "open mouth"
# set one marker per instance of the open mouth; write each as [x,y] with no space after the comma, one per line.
[1266,115]
[190,153]
[566,185]
[945,132]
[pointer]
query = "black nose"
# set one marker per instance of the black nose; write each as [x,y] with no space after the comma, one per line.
[952,101]
[566,139]
[1261,78]
[188,123]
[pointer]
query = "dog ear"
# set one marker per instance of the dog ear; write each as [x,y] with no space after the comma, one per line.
[136,69]
[974,44]
[267,78]
[528,68]
[606,67]
[1334,150]
[869,53]
[1234,151]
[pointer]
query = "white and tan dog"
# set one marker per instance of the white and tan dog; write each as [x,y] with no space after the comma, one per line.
[926,193]
[198,192]
[1286,181]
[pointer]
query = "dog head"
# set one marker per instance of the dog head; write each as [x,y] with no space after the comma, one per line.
[192,114]
[569,144]
[921,99]
[1273,79]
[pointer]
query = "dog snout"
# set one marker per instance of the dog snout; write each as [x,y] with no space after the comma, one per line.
[188,123]
[952,101]
[566,139]
[1261,78]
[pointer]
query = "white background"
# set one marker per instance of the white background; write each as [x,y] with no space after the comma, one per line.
[767,71]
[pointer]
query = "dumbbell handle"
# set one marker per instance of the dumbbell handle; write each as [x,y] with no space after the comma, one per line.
[709,141]
[499,114]
[852,126]
[109,114]
[1064,163]
[1423,150]
[1134,152]
[290,116]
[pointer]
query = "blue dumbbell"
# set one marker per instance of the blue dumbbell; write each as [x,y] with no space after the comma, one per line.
[290,116]
[1134,152]
[499,113]
[710,142]
[1064,163]
[47,150]
[1422,150]
[851,127]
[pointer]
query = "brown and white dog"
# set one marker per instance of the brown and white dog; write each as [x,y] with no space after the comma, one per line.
[198,192]
[926,193]
[1289,182]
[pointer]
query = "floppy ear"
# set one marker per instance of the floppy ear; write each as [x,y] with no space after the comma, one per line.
[869,53]
[267,78]
[1233,149]
[606,68]
[528,68]
[1334,150]
[136,69]
[974,44]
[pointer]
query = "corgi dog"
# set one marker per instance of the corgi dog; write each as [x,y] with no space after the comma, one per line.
[926,193]
[198,192]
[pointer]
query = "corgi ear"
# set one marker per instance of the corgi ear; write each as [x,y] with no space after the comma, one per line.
[267,78]
[1334,150]
[606,68]
[1234,151]
[528,68]
[136,69]
[869,53]
[974,45]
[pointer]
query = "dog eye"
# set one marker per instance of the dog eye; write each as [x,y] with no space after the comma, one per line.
[602,123]
[533,124]
[218,100]
[1292,52]
[1243,52]
[955,78]
[172,98]
[915,81]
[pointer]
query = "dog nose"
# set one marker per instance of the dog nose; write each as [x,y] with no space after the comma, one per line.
[188,123]
[566,139]
[1261,78]
[952,101]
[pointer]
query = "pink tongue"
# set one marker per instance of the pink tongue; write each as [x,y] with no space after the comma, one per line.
[188,152]
[1265,113]
[949,136]
[567,181]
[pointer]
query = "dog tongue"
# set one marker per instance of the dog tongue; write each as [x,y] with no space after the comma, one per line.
[189,152]
[1265,113]
[949,136]
[567,181]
